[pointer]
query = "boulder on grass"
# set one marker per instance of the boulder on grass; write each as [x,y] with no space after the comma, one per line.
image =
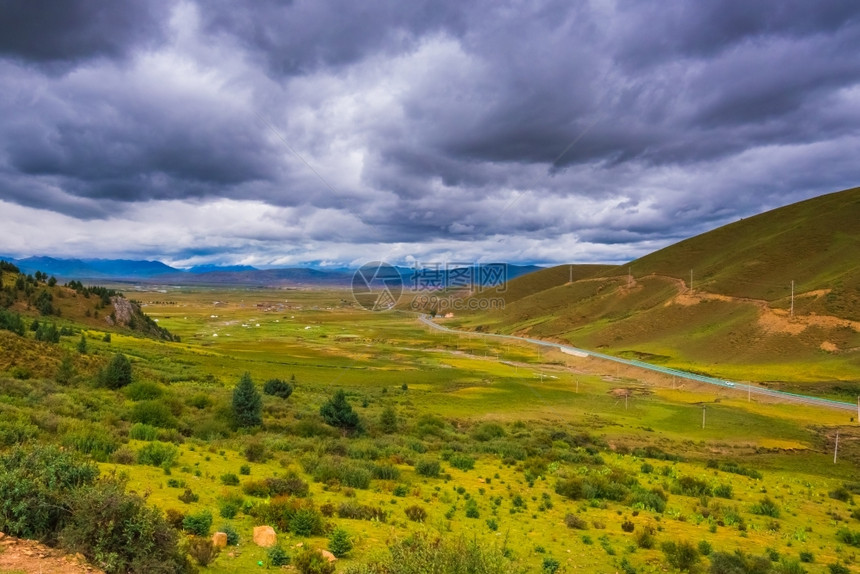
[328,555]
[265,536]
[219,539]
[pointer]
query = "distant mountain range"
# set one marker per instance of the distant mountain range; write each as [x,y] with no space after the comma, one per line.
[158,272]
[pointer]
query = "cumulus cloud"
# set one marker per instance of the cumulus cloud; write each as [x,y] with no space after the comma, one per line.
[296,132]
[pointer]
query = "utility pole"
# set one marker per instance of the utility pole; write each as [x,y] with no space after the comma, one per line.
[629,276]
[858,409]
[836,448]
[792,299]
[703,416]
[691,280]
[749,392]
[570,268]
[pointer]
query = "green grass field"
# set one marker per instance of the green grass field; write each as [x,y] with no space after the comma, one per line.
[560,418]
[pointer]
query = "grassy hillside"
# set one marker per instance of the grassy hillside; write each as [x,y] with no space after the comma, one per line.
[736,321]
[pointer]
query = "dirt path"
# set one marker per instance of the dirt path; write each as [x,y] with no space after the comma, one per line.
[30,557]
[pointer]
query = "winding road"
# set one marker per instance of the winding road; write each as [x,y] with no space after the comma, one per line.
[745,387]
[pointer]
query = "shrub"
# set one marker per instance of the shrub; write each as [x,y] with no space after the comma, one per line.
[723,491]
[766,507]
[277,556]
[789,566]
[245,470]
[36,486]
[255,452]
[628,526]
[202,550]
[230,505]
[188,496]
[232,535]
[472,509]
[840,493]
[690,486]
[157,454]
[141,431]
[174,517]
[838,569]
[154,413]
[388,420]
[681,555]
[257,488]
[806,556]
[738,563]
[307,522]
[654,499]
[104,519]
[229,479]
[361,512]
[92,440]
[385,472]
[645,538]
[198,524]
[462,461]
[488,431]
[278,388]
[575,521]
[460,555]
[705,548]
[339,542]
[428,467]
[416,513]
[849,537]
[310,561]
[550,565]
[143,391]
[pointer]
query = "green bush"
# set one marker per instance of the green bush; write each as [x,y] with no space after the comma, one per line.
[229,479]
[153,413]
[278,388]
[37,486]
[849,537]
[143,391]
[766,507]
[738,563]
[277,556]
[141,431]
[681,555]
[705,548]
[575,521]
[723,491]
[488,431]
[232,535]
[118,532]
[311,561]
[202,550]
[307,522]
[157,454]
[428,467]
[416,513]
[462,462]
[198,524]
[550,565]
[92,440]
[339,542]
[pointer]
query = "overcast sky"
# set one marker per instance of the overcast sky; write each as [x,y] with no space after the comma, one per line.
[338,132]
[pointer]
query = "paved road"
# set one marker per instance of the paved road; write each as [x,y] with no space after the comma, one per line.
[744,387]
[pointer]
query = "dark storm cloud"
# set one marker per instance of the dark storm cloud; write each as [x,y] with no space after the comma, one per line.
[44,31]
[524,128]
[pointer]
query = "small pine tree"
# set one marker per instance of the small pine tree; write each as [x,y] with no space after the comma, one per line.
[66,371]
[337,412]
[247,404]
[339,543]
[388,420]
[118,372]
[82,345]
